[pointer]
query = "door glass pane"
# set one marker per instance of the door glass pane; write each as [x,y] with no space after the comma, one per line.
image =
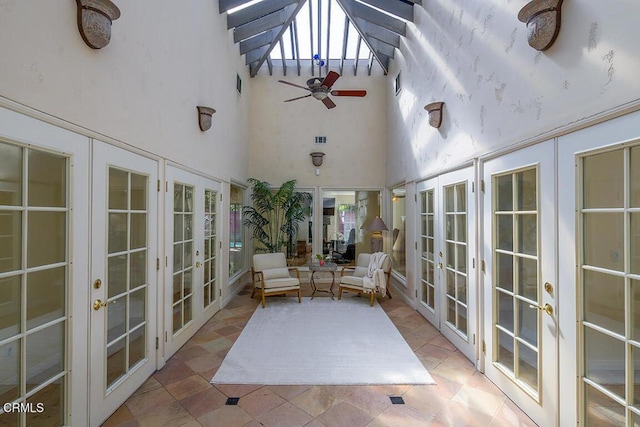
[604,361]
[634,179]
[456,245]
[9,376]
[427,242]
[515,272]
[601,410]
[604,300]
[603,180]
[11,300]
[211,248]
[610,289]
[237,236]
[182,254]
[398,233]
[11,175]
[45,296]
[49,227]
[45,351]
[47,179]
[604,239]
[127,262]
[10,240]
[52,397]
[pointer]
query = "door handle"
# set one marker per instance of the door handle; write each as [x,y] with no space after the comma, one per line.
[97,304]
[439,265]
[546,308]
[198,265]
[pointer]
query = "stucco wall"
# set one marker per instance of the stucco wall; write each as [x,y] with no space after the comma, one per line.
[497,90]
[164,59]
[282,133]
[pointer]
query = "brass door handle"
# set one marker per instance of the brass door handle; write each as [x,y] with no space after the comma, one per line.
[439,265]
[198,265]
[98,303]
[546,308]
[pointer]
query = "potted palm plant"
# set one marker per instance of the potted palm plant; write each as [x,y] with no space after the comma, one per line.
[275,215]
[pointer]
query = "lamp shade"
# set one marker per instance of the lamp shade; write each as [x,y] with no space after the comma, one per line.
[377,224]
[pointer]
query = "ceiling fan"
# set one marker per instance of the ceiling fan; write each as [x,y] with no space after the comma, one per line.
[320,89]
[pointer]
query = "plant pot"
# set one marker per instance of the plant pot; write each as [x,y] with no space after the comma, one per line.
[321,262]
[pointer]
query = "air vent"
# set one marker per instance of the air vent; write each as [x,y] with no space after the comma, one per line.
[321,139]
[238,83]
[397,84]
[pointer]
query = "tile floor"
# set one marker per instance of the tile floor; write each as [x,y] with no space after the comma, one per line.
[180,393]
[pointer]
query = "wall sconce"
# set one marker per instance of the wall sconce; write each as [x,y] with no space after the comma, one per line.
[204,117]
[435,113]
[316,158]
[543,21]
[94,21]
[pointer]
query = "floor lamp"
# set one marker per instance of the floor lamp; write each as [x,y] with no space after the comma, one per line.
[377,225]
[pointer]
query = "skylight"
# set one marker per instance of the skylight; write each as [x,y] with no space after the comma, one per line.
[333,33]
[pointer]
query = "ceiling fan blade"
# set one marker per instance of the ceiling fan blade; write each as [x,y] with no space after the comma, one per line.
[348,92]
[330,79]
[300,97]
[294,85]
[328,103]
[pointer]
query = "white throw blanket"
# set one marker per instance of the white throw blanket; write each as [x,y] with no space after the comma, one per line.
[375,281]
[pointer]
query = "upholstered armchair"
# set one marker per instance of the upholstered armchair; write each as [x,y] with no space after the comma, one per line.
[271,276]
[354,282]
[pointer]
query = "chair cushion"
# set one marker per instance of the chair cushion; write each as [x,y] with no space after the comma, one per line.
[276,273]
[360,271]
[281,283]
[263,262]
[351,281]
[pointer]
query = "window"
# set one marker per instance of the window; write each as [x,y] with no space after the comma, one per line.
[397,221]
[236,231]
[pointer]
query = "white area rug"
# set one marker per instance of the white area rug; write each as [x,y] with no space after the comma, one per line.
[321,341]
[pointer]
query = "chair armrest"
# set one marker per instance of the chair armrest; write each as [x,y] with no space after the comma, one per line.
[255,273]
[345,269]
[296,270]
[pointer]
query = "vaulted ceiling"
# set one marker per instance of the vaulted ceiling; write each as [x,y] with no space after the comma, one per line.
[360,34]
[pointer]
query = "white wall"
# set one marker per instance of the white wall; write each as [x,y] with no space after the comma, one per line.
[497,90]
[282,133]
[164,59]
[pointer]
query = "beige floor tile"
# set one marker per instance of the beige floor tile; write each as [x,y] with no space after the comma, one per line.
[225,416]
[369,400]
[205,401]
[400,415]
[345,415]
[187,387]
[314,401]
[285,415]
[260,401]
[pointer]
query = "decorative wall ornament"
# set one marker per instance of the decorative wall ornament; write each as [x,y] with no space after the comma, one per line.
[543,22]
[435,113]
[204,117]
[94,21]
[316,158]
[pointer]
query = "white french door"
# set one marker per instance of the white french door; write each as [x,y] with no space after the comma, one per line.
[447,292]
[43,268]
[599,206]
[124,278]
[193,255]
[429,258]
[520,328]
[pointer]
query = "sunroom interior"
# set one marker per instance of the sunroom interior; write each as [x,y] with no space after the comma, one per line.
[497,142]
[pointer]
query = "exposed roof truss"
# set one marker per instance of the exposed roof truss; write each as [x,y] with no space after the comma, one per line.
[270,31]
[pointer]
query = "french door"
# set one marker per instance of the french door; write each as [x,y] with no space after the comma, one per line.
[193,255]
[600,206]
[124,277]
[43,269]
[520,326]
[447,292]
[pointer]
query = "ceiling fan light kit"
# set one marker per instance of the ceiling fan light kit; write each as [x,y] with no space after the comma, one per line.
[320,88]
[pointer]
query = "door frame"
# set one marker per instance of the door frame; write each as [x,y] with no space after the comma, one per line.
[174,173]
[547,268]
[25,131]
[105,156]
[620,132]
